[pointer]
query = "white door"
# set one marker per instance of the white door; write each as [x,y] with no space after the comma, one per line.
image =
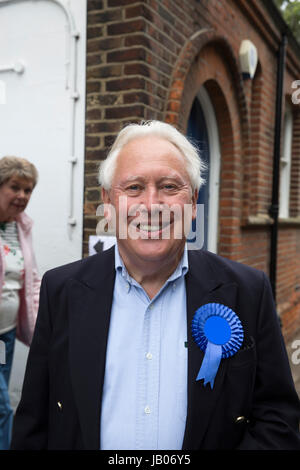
[42,76]
[42,118]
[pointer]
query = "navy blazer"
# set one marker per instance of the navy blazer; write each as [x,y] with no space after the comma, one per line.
[253,404]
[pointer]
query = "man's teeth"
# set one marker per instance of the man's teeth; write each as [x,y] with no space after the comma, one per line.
[150,228]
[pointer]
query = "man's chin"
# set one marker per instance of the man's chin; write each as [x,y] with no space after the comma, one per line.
[151,249]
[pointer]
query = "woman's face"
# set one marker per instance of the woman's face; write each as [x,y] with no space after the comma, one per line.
[14,197]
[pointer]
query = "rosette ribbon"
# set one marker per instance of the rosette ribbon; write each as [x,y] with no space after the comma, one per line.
[218,332]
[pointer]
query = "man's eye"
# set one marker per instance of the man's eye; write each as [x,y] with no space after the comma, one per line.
[134,187]
[169,186]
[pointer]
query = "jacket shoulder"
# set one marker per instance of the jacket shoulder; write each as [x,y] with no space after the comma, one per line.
[227,269]
[83,270]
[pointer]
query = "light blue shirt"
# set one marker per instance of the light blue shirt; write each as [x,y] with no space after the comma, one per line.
[145,386]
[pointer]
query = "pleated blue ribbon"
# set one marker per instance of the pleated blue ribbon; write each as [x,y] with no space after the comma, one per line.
[218,332]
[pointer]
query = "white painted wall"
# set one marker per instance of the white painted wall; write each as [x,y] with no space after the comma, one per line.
[36,123]
[36,116]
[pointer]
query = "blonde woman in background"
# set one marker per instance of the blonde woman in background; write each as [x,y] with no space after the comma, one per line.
[19,280]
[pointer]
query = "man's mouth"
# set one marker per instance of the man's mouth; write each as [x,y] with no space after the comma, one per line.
[149,228]
[152,229]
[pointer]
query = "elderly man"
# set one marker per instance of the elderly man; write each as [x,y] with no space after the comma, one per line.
[149,345]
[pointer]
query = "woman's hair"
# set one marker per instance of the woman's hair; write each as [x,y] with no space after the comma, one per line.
[194,165]
[15,166]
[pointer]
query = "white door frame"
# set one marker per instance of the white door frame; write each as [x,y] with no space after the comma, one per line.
[214,170]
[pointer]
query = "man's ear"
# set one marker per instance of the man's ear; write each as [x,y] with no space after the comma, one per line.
[105,196]
[107,204]
[106,211]
[194,204]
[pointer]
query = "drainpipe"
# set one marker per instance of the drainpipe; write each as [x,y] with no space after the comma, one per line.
[274,208]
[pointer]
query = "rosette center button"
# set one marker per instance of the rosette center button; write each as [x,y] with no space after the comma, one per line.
[217,330]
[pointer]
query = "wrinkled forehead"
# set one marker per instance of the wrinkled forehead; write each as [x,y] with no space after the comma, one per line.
[150,154]
[151,144]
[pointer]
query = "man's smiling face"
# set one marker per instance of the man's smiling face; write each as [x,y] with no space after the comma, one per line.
[150,173]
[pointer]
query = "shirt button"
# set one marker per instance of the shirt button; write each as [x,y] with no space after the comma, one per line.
[240,419]
[59,404]
[147,410]
[149,355]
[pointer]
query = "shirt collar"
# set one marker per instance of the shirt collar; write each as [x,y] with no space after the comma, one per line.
[180,271]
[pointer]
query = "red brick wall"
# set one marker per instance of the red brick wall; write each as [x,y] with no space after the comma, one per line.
[148,59]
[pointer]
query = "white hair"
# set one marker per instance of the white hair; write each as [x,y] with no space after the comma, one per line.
[194,165]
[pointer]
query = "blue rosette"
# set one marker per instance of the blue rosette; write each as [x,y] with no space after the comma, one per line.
[218,332]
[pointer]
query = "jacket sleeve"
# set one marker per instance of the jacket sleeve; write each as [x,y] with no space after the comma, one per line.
[274,421]
[30,428]
[29,295]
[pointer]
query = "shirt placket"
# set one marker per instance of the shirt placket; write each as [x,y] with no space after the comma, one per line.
[148,381]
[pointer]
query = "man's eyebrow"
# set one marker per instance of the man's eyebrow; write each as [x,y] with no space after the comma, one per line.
[130,179]
[176,177]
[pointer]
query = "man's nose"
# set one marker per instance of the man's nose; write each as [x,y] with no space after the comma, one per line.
[151,198]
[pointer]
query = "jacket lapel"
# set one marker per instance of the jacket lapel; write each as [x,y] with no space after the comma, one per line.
[202,287]
[90,298]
